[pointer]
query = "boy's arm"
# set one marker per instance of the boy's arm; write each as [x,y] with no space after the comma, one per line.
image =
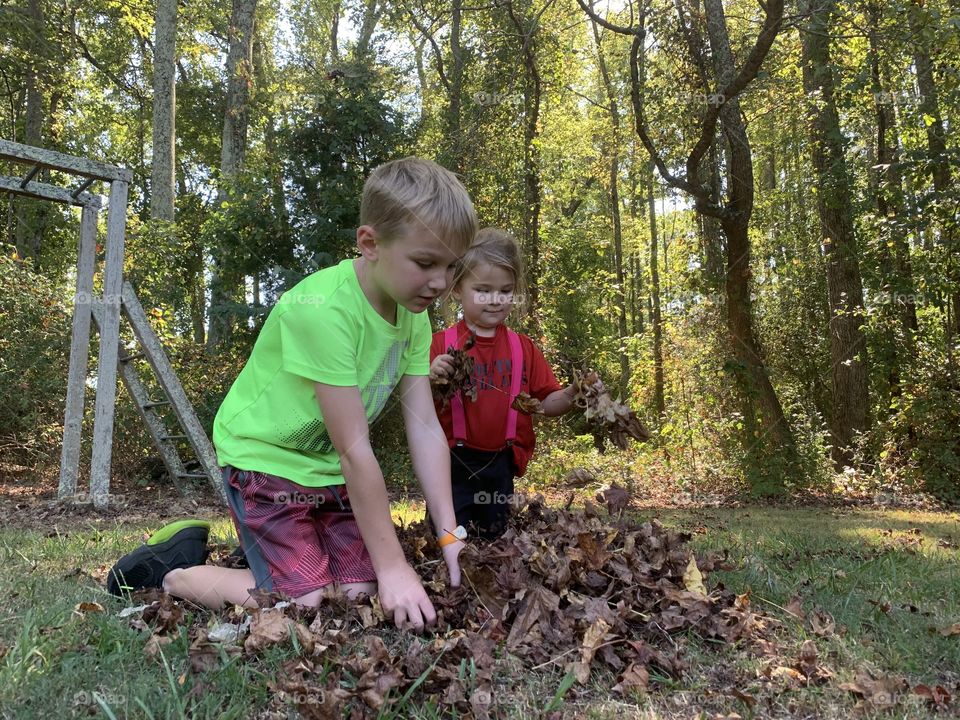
[401,592]
[431,461]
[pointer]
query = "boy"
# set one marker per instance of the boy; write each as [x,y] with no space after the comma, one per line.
[293,431]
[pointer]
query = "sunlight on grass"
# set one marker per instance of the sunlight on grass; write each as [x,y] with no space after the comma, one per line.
[888,588]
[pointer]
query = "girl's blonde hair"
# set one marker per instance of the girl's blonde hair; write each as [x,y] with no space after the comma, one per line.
[414,191]
[495,247]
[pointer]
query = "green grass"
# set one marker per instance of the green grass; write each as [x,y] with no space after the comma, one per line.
[56,662]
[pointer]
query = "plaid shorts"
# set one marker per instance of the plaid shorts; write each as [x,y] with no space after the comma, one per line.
[296,539]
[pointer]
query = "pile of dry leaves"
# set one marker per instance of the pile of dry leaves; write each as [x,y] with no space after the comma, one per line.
[579,590]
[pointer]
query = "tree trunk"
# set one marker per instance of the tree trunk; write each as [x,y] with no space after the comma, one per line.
[620,295]
[162,176]
[32,214]
[656,322]
[453,157]
[848,352]
[334,31]
[888,191]
[226,285]
[938,157]
[756,388]
[371,16]
[532,192]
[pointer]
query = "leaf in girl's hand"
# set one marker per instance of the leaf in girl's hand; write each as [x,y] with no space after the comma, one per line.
[527,405]
[459,379]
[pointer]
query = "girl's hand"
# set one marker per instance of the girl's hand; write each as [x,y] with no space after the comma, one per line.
[451,556]
[442,366]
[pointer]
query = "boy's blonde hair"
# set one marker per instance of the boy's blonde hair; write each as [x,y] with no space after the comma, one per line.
[415,191]
[495,247]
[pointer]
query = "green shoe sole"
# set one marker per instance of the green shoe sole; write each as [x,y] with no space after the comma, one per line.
[168,531]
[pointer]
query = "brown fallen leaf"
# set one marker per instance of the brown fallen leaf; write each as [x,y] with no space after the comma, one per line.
[592,639]
[693,579]
[791,675]
[527,405]
[795,607]
[882,692]
[155,643]
[616,497]
[950,630]
[579,477]
[270,626]
[634,678]
[88,607]
[937,697]
[164,614]
[822,623]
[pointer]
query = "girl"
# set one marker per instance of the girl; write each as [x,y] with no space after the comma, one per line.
[491,443]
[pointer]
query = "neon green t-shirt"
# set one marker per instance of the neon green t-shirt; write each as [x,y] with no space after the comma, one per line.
[321,330]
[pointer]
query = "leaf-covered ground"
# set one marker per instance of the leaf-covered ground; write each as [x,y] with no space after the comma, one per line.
[819,613]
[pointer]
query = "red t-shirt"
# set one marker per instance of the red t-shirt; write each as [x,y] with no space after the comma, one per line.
[486,418]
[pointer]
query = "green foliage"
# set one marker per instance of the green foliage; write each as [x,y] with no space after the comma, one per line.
[331,145]
[34,350]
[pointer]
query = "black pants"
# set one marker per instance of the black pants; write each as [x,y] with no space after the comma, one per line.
[482,485]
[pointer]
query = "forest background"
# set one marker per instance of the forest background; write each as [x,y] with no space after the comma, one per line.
[744,215]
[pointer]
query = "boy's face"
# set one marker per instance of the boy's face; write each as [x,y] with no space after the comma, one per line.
[414,268]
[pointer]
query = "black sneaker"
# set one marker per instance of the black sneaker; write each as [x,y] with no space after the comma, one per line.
[177,545]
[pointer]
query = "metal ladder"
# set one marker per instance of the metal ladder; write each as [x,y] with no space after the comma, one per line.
[151,350]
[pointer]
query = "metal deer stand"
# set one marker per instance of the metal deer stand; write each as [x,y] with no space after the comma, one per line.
[118,297]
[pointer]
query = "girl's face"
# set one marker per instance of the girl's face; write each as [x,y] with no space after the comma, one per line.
[486,293]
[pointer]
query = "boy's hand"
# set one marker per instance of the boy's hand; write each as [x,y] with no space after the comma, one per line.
[403,597]
[451,556]
[442,366]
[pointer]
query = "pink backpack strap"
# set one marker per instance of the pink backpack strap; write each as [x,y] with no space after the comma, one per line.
[456,402]
[516,377]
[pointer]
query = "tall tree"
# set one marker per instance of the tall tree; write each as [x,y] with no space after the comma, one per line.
[226,284]
[887,183]
[762,409]
[527,25]
[163,172]
[921,27]
[31,214]
[614,194]
[656,320]
[848,350]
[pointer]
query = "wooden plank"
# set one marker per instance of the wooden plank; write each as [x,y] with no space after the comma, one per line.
[109,339]
[43,191]
[79,355]
[138,393]
[60,161]
[157,358]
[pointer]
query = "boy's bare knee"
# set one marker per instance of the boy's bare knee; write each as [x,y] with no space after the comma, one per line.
[311,599]
[352,590]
